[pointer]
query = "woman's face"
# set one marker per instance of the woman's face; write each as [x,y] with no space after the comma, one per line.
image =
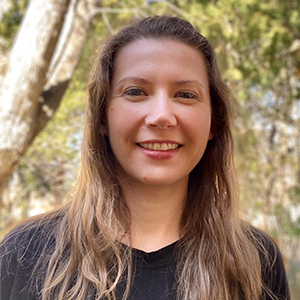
[158,112]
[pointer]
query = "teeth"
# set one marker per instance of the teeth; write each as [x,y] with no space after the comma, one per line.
[160,147]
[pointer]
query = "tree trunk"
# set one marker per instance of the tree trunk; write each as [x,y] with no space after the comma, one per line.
[42,61]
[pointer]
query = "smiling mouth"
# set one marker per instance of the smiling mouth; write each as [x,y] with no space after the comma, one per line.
[159,146]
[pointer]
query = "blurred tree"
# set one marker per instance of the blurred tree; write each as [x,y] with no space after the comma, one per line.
[40,66]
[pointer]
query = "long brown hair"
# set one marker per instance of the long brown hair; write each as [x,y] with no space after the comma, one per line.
[216,255]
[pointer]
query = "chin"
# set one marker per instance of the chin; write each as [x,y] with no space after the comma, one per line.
[162,180]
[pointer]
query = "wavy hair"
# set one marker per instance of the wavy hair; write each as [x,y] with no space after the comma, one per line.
[216,255]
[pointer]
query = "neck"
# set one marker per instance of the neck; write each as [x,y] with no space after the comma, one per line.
[155,214]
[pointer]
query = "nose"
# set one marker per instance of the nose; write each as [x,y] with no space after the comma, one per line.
[161,113]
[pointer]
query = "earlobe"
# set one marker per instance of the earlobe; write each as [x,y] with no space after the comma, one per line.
[211,135]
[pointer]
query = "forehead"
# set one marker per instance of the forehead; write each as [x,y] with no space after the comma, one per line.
[153,55]
[148,45]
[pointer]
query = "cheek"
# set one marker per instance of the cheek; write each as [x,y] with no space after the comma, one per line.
[198,126]
[118,126]
[114,118]
[125,118]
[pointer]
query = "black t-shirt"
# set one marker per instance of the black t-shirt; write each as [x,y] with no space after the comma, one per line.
[154,276]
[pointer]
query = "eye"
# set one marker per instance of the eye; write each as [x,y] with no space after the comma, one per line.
[187,95]
[134,92]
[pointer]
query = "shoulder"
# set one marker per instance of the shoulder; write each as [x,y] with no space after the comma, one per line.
[272,266]
[20,252]
[29,236]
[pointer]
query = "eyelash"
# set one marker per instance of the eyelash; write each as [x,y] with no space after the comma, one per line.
[187,95]
[137,92]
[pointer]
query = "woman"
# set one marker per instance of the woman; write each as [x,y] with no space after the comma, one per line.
[153,214]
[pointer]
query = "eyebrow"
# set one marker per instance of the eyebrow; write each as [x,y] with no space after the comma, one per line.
[184,82]
[145,81]
[139,79]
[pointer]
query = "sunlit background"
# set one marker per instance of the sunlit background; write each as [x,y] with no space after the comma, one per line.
[44,67]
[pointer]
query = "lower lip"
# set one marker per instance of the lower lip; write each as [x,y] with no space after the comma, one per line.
[159,154]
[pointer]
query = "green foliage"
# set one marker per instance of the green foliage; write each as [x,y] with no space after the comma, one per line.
[51,162]
[294,195]
[11,20]
[288,225]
